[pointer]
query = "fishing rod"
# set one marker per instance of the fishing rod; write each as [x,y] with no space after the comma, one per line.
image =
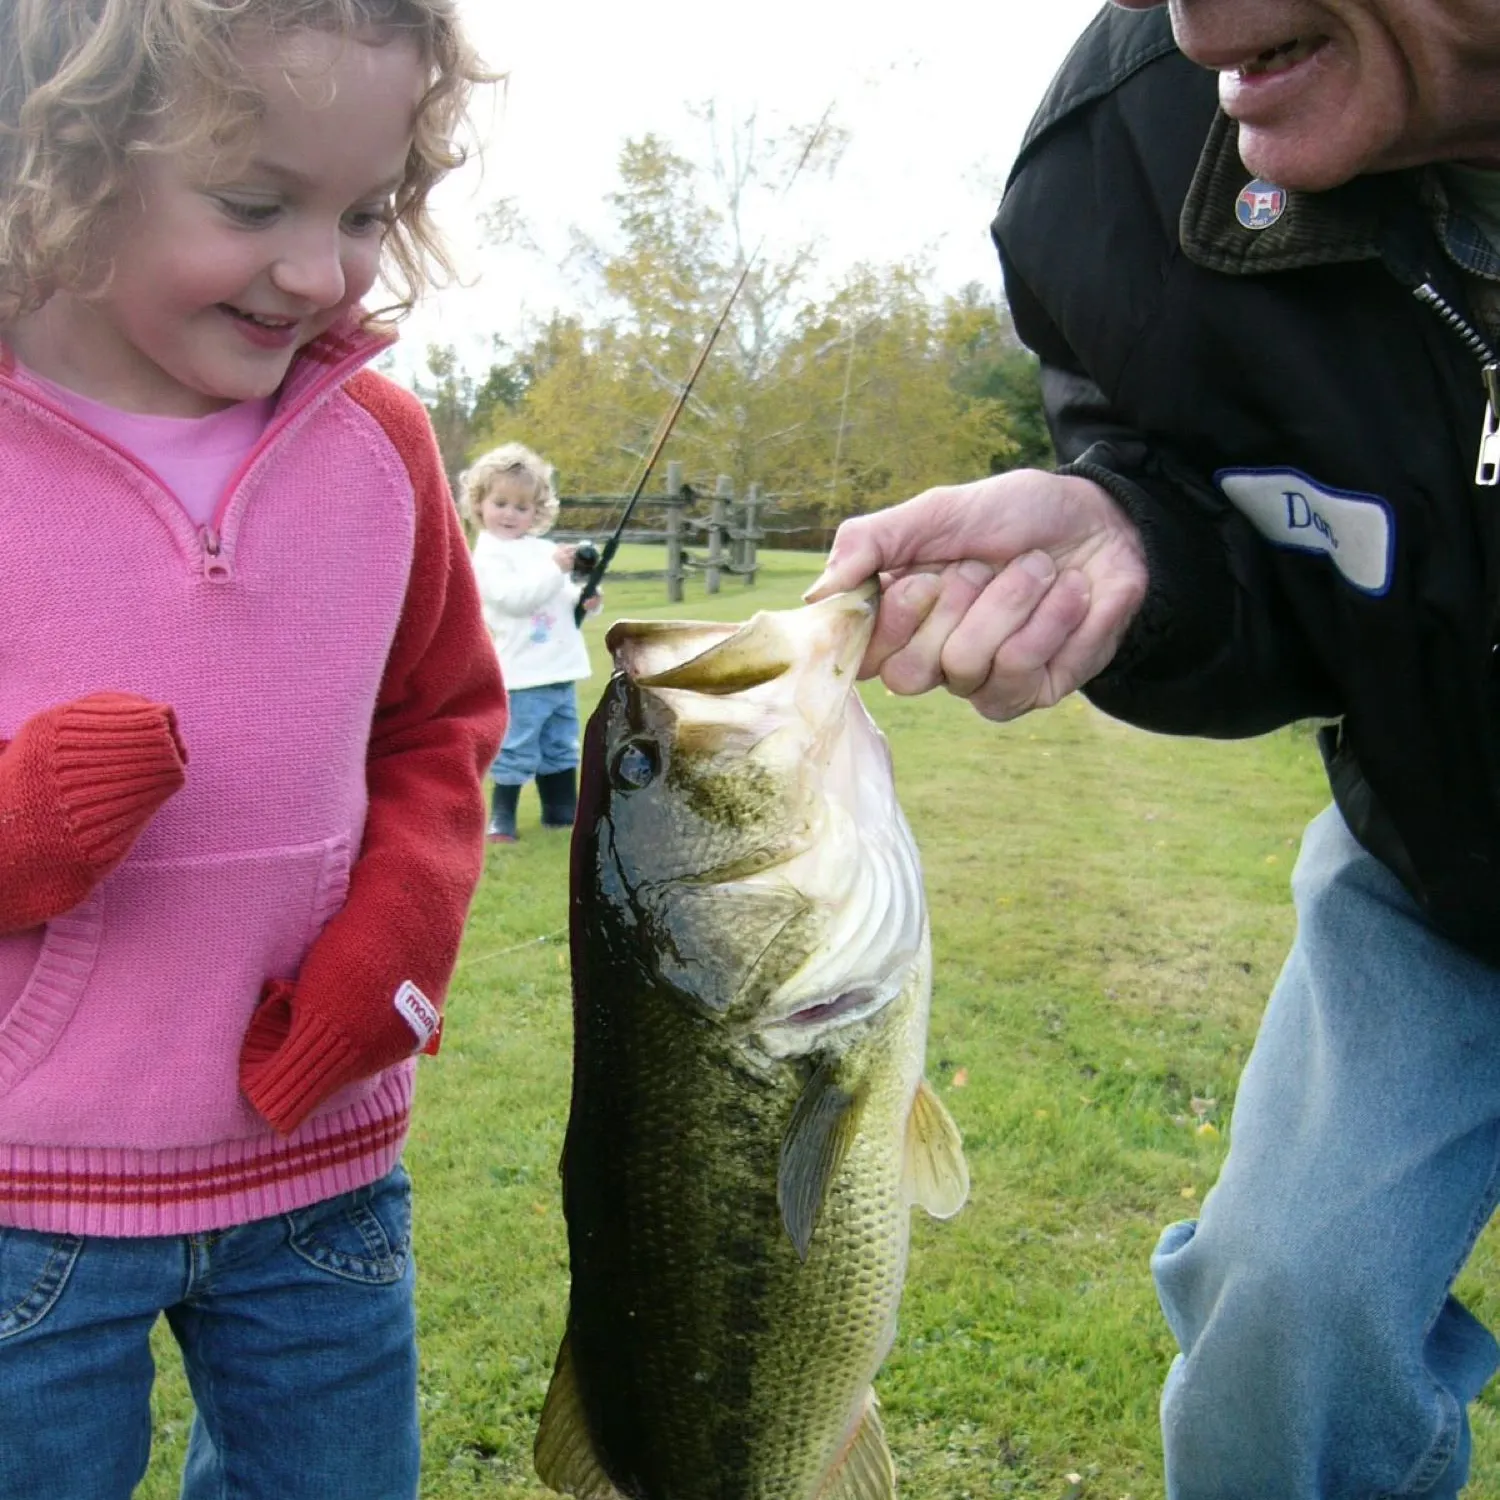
[591,584]
[664,431]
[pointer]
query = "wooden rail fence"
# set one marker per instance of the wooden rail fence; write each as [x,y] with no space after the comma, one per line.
[728,525]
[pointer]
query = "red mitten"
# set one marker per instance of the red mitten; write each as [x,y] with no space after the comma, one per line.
[293,1057]
[78,783]
[290,1062]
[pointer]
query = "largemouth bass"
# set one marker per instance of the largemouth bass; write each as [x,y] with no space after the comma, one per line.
[750,1126]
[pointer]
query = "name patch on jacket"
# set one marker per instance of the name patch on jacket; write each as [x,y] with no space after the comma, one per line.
[1355,532]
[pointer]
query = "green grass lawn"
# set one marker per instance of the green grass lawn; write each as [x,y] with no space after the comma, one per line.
[1109,911]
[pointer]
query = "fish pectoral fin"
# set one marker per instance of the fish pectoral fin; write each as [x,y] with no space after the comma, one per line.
[817,1139]
[564,1451]
[865,1472]
[935,1175]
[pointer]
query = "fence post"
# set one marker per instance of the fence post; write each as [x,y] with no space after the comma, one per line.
[749,535]
[674,507]
[718,524]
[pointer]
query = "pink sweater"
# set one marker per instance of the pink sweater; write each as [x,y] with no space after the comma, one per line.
[214,978]
[195,457]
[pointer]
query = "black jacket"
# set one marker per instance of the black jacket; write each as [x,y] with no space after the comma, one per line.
[1295,431]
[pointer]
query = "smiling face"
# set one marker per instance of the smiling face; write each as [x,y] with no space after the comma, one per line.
[224,265]
[1325,90]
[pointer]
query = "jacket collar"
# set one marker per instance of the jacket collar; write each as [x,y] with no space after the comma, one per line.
[1314,229]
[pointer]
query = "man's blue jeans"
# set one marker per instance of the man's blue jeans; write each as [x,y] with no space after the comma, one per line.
[298,1336]
[1322,1354]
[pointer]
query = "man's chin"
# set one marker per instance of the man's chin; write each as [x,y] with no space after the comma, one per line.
[1303,162]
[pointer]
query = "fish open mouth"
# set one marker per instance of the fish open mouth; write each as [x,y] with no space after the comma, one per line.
[693,656]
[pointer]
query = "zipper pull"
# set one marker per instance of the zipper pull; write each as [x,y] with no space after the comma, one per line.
[1487,472]
[215,569]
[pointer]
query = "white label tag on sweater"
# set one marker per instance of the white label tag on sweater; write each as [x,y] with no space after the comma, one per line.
[1355,532]
[418,1012]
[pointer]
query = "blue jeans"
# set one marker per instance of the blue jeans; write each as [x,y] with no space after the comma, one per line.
[297,1333]
[1322,1353]
[542,736]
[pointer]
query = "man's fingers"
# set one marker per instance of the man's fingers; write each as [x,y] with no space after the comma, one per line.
[1113,604]
[854,557]
[917,665]
[912,533]
[1011,591]
[1031,667]
[904,604]
[1004,612]
[1005,668]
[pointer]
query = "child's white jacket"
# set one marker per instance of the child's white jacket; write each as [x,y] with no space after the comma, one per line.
[528,607]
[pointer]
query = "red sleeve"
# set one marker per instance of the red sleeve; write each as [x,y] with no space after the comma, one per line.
[77,785]
[371,988]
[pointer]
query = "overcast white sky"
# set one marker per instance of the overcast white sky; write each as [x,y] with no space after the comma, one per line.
[935,94]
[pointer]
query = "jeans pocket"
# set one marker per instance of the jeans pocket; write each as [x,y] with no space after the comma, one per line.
[360,1236]
[34,1269]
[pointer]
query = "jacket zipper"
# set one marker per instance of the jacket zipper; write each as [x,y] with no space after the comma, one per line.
[1487,469]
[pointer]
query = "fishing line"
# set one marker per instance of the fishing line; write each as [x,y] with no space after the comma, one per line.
[546,937]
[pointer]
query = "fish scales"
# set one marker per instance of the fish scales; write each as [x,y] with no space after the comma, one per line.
[736,1172]
[713,1349]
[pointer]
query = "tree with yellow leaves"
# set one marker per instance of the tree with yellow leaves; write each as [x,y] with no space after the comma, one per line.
[836,403]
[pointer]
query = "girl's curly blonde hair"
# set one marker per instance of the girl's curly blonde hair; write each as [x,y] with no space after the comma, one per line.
[87,84]
[517,463]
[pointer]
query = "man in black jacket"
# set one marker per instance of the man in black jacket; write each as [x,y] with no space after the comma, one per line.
[1267,309]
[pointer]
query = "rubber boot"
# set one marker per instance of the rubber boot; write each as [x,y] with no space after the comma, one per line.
[559,793]
[502,829]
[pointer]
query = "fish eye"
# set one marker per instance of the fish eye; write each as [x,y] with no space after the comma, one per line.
[637,764]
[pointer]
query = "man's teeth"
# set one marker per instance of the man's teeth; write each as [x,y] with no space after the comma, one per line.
[1279,59]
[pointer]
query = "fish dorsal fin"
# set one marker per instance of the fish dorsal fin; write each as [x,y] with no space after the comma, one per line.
[935,1175]
[564,1452]
[817,1139]
[865,1472]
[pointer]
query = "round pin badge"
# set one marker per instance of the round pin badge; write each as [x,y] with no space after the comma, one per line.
[1260,204]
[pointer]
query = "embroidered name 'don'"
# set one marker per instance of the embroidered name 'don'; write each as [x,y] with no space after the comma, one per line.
[1355,532]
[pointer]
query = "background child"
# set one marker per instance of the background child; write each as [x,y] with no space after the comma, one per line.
[529,595]
[241,758]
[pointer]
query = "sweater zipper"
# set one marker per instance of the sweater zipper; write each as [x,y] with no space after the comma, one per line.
[1487,468]
[215,569]
[214,566]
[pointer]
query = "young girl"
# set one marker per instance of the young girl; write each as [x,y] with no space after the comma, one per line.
[529,597]
[241,761]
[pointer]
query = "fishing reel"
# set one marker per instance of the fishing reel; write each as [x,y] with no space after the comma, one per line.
[585,555]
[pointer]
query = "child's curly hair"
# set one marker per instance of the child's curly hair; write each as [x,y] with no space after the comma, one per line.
[512,461]
[87,84]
